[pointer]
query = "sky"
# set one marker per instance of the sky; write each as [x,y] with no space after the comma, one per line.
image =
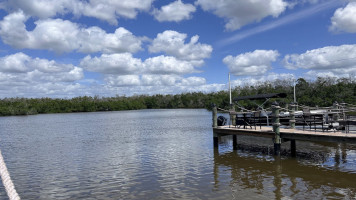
[70,48]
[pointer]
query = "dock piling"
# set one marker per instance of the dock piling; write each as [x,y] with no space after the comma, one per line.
[293,148]
[234,142]
[215,116]
[215,125]
[277,137]
[232,115]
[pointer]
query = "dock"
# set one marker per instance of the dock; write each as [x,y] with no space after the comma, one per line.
[288,134]
[318,128]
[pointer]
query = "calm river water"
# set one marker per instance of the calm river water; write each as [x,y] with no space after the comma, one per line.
[163,154]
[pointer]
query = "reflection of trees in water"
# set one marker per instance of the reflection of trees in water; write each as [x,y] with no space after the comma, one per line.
[285,177]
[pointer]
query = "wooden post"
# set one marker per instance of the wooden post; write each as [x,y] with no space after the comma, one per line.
[215,125]
[215,116]
[275,120]
[232,115]
[292,115]
[234,142]
[216,140]
[293,148]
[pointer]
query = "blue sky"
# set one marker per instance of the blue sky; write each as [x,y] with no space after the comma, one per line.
[68,48]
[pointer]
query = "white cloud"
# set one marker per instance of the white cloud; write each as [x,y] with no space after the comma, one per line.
[21,75]
[94,39]
[313,74]
[64,36]
[123,64]
[107,10]
[24,68]
[256,63]
[175,11]
[168,65]
[172,43]
[193,81]
[161,80]
[40,8]
[241,12]
[126,64]
[287,19]
[110,10]
[154,80]
[16,63]
[263,79]
[13,30]
[160,84]
[336,59]
[344,19]
[123,80]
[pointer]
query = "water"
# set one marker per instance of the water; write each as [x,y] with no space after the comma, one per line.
[163,154]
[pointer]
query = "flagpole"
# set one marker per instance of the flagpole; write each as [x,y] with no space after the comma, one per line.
[230,90]
[295,98]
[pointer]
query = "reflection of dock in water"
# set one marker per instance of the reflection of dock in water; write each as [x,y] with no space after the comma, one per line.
[282,177]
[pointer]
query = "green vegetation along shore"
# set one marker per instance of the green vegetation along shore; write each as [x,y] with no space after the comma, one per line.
[321,92]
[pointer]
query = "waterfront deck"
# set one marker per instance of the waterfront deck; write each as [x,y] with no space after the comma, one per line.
[289,134]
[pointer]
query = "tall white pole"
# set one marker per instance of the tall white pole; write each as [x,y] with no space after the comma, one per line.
[295,98]
[230,89]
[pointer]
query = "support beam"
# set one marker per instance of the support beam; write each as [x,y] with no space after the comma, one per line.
[232,115]
[234,142]
[215,125]
[216,141]
[277,136]
[293,148]
[215,116]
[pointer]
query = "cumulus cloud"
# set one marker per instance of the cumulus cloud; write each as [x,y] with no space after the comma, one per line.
[13,29]
[193,81]
[154,80]
[256,63]
[241,12]
[313,74]
[160,74]
[26,68]
[64,36]
[168,65]
[160,80]
[339,60]
[287,19]
[123,80]
[40,8]
[344,19]
[123,64]
[175,11]
[270,77]
[107,10]
[173,44]
[21,74]
[126,64]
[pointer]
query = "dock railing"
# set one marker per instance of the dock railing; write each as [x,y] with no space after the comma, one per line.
[335,118]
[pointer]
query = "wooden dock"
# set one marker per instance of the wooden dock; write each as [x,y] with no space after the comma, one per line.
[280,134]
[287,134]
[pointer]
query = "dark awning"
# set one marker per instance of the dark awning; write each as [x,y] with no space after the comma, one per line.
[261,96]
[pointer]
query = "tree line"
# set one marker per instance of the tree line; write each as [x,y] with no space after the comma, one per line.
[320,92]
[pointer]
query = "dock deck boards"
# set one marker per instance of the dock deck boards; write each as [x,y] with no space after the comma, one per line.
[289,134]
